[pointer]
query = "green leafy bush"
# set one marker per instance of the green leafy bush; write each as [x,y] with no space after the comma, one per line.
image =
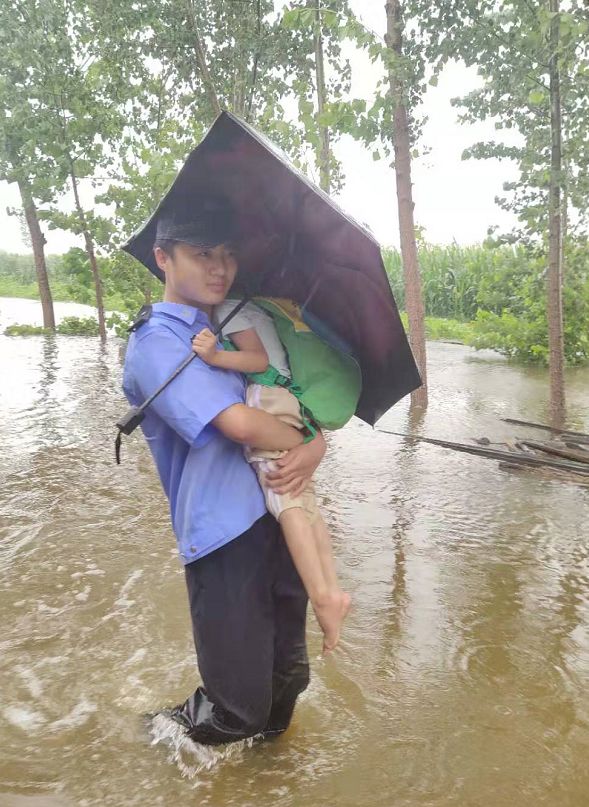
[518,327]
[26,330]
[510,335]
[69,326]
[439,328]
[78,326]
[120,324]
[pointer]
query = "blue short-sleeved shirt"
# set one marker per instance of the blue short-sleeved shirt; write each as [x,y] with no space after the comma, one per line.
[214,494]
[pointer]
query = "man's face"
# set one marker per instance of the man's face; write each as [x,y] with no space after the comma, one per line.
[197,276]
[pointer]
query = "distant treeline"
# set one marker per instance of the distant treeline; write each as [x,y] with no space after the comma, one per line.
[21,268]
[501,289]
[70,279]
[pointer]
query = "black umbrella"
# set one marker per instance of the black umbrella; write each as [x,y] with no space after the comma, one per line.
[297,243]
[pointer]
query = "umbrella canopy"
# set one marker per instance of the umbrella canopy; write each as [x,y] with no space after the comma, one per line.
[297,243]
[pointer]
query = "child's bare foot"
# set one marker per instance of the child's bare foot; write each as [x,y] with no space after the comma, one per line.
[331,612]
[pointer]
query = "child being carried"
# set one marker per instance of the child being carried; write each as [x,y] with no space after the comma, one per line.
[254,334]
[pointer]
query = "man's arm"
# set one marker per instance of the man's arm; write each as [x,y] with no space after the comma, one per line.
[254,427]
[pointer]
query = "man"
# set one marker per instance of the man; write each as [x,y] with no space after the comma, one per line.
[247,603]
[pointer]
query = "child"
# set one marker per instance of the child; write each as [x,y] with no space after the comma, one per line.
[253,333]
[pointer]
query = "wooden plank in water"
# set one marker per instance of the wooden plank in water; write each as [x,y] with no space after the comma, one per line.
[578,447]
[547,473]
[575,435]
[558,451]
[495,454]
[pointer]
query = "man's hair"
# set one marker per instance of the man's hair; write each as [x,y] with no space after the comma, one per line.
[167,245]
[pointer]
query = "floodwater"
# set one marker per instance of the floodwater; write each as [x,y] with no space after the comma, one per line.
[463,677]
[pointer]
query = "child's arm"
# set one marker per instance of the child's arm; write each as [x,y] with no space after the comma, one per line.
[250,357]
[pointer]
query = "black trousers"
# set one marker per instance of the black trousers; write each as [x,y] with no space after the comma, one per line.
[248,609]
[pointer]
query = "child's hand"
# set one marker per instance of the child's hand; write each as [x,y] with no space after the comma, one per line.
[204,345]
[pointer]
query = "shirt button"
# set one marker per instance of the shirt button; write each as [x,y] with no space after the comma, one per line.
[193,549]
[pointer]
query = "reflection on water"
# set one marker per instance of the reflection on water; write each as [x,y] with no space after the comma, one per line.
[463,674]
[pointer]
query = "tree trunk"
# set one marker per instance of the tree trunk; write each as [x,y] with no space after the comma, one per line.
[38,242]
[202,61]
[240,70]
[554,277]
[564,225]
[240,76]
[402,148]
[248,114]
[91,256]
[324,151]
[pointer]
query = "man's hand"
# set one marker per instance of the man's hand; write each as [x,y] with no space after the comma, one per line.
[295,469]
[204,345]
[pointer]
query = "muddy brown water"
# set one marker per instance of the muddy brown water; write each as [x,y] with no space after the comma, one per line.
[463,677]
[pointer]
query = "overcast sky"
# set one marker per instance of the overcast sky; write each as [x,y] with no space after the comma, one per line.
[454,199]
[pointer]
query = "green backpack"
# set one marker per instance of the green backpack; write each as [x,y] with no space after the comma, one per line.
[327,378]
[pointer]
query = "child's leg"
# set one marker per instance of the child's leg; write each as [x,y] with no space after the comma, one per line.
[323,543]
[329,603]
[300,539]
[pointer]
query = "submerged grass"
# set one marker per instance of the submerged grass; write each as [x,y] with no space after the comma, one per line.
[70,326]
[441,329]
[11,287]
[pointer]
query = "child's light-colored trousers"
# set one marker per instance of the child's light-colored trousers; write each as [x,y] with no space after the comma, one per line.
[284,405]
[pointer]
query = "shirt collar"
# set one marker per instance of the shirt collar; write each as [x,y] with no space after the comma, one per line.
[187,313]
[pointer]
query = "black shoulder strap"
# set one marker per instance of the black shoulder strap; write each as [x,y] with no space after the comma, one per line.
[142,317]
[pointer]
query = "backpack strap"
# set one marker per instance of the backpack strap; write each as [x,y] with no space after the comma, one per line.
[272,378]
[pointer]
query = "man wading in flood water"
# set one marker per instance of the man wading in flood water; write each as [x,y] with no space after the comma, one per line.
[247,603]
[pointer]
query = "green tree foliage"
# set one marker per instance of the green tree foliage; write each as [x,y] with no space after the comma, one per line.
[190,59]
[20,268]
[508,44]
[533,61]
[320,76]
[18,276]
[31,71]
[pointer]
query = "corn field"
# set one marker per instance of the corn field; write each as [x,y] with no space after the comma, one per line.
[501,291]
[457,281]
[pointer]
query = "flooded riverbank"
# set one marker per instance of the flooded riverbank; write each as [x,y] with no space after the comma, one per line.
[464,671]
